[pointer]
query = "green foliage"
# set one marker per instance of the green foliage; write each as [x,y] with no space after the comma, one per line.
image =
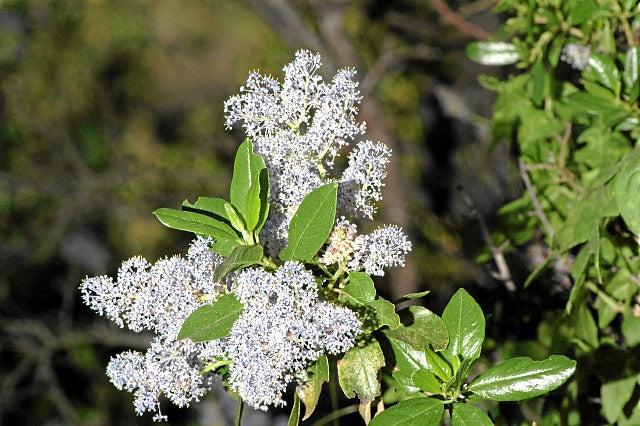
[573,110]
[412,412]
[358,371]
[521,378]
[465,323]
[310,392]
[213,321]
[312,223]
[241,257]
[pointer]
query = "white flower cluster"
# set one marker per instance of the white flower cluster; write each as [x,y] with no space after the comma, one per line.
[576,55]
[158,298]
[283,327]
[383,248]
[300,126]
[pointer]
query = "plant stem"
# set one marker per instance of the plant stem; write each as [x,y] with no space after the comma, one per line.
[334,405]
[239,412]
[336,415]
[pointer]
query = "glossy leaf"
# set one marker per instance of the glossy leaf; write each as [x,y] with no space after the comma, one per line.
[408,360]
[522,378]
[426,381]
[632,66]
[311,224]
[310,391]
[240,257]
[437,365]
[411,412]
[468,415]
[493,52]
[465,323]
[214,321]
[194,222]
[603,70]
[358,371]
[626,187]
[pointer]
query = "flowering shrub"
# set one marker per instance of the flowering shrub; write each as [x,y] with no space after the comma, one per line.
[277,282]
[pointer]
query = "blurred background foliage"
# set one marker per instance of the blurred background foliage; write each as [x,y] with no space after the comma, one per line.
[111,109]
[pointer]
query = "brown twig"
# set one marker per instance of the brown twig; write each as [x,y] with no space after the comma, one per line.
[457,21]
[534,199]
[504,273]
[568,177]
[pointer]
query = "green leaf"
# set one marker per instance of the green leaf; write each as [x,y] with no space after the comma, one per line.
[358,371]
[425,328]
[411,412]
[585,326]
[537,80]
[225,247]
[597,106]
[385,313]
[294,417]
[213,321]
[603,70]
[246,169]
[311,224]
[465,322]
[626,187]
[209,205]
[614,395]
[468,415]
[264,199]
[493,52]
[360,288]
[310,391]
[240,257]
[631,329]
[437,365]
[411,296]
[429,327]
[195,222]
[631,66]
[234,217]
[426,381]
[408,360]
[521,378]
[582,11]
[254,203]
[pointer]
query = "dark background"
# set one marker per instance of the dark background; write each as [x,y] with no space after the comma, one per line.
[111,109]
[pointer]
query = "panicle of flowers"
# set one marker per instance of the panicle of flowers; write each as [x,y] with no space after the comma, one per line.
[158,298]
[384,247]
[283,327]
[362,181]
[341,240]
[576,55]
[299,127]
[169,367]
